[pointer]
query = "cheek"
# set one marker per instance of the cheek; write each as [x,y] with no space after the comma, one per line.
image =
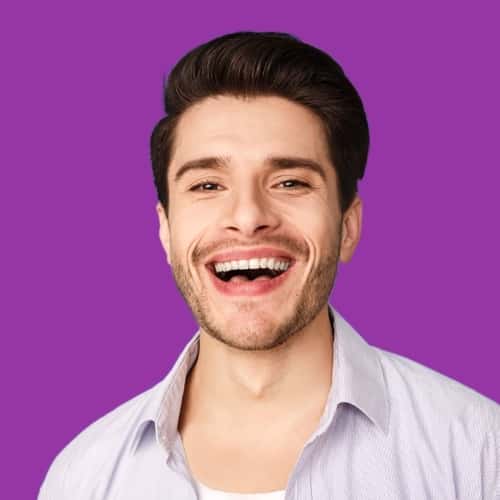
[197,212]
[194,221]
[316,221]
[187,228]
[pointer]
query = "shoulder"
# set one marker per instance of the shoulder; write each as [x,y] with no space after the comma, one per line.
[435,398]
[95,447]
[449,426]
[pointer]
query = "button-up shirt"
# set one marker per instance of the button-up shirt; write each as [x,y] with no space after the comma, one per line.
[391,429]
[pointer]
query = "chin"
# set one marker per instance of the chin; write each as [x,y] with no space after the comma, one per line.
[251,341]
[248,332]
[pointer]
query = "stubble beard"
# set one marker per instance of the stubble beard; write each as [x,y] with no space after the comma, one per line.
[309,302]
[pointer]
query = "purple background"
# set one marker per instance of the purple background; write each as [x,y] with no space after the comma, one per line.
[90,314]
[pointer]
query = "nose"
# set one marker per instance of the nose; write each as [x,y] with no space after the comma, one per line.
[249,212]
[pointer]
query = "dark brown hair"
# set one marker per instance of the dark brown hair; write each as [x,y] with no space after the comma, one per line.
[250,64]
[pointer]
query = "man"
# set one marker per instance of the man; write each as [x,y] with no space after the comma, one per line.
[256,167]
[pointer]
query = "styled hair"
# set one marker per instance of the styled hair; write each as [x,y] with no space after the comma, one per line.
[251,64]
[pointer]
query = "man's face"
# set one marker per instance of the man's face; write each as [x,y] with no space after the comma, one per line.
[254,229]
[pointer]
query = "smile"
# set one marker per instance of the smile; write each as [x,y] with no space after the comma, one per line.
[251,276]
[250,269]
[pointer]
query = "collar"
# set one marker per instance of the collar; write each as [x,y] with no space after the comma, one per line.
[358,378]
[356,372]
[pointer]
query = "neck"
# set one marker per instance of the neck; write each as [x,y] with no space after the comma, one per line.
[227,386]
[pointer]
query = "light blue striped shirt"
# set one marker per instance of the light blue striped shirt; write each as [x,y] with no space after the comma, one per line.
[391,429]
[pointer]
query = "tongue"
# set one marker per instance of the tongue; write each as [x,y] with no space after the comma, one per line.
[241,278]
[238,279]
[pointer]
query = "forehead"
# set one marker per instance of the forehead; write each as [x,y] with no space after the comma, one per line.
[248,129]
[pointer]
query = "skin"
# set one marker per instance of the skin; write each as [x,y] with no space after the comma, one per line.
[264,368]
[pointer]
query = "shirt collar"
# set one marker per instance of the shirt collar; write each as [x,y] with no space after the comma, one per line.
[357,376]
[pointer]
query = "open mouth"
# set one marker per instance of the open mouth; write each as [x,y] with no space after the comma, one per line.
[250,270]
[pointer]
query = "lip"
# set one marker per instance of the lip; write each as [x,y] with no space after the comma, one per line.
[249,254]
[249,288]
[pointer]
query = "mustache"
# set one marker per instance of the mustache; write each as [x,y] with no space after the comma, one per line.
[283,242]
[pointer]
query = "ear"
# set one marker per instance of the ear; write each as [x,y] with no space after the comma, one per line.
[164,231]
[351,229]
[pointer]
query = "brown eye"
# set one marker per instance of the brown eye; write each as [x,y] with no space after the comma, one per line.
[205,186]
[293,183]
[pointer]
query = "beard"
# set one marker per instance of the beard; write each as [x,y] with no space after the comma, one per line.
[262,337]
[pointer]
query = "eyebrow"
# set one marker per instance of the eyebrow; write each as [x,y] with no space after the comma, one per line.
[276,162]
[286,162]
[207,163]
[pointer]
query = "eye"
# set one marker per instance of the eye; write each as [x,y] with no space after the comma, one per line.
[205,186]
[294,184]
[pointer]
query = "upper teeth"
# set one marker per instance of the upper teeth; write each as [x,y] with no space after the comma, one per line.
[264,263]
